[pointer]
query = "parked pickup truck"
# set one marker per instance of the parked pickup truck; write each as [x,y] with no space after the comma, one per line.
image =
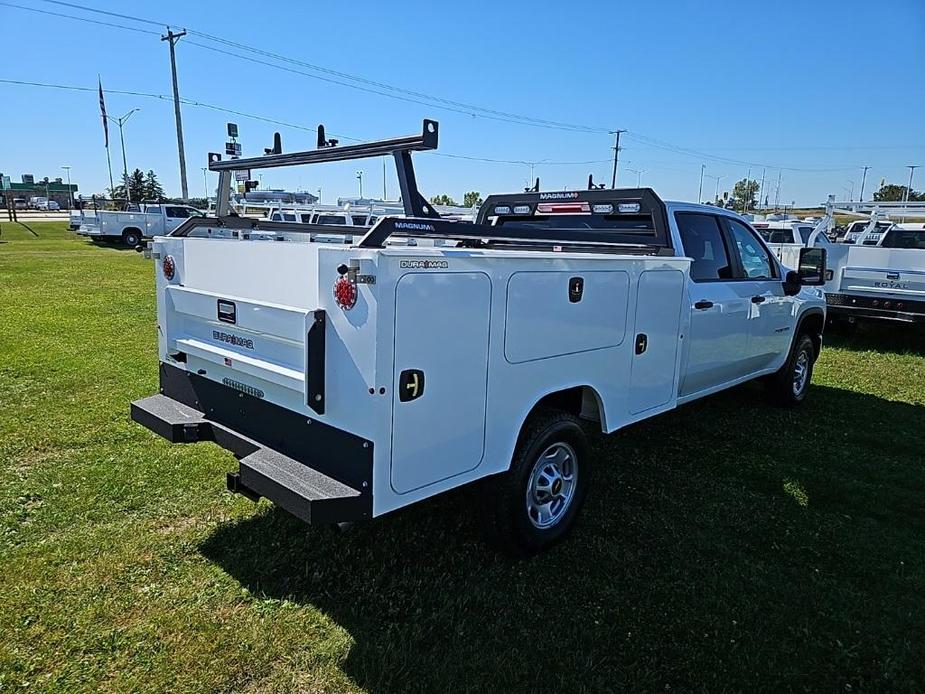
[354,380]
[130,228]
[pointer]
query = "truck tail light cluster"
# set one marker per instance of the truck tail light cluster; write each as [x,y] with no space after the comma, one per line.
[345,293]
[169,267]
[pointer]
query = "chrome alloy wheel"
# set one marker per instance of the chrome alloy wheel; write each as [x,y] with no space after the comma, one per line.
[800,373]
[552,484]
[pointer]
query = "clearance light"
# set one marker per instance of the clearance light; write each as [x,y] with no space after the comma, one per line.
[628,207]
[169,267]
[345,293]
[562,207]
[502,209]
[521,209]
[602,209]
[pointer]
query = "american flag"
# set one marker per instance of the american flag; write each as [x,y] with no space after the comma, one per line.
[103,115]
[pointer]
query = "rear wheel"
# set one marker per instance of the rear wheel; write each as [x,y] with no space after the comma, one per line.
[788,386]
[535,504]
[131,237]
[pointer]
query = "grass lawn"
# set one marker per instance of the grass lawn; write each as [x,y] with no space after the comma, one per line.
[725,546]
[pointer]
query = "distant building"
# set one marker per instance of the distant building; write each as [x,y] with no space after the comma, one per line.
[53,189]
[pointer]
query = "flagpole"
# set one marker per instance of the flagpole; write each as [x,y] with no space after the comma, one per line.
[112,188]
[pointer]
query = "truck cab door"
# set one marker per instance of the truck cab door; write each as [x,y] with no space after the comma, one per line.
[174,217]
[771,311]
[717,342]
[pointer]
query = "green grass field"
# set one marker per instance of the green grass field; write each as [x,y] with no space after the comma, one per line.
[727,546]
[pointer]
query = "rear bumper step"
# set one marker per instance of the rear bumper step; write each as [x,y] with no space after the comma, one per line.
[291,484]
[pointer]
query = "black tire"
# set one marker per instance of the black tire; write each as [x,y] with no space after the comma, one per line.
[131,237]
[550,435]
[783,387]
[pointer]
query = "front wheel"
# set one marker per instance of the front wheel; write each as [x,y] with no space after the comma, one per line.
[535,504]
[788,386]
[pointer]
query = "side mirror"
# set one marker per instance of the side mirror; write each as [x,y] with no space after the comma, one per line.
[811,269]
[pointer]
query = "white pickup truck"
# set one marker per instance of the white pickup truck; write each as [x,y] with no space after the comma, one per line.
[354,380]
[130,228]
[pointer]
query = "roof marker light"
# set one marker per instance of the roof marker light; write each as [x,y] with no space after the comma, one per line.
[521,209]
[602,209]
[628,207]
[502,209]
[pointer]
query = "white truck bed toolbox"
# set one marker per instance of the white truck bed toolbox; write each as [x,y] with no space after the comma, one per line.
[313,470]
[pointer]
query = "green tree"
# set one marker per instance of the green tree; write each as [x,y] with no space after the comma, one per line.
[743,194]
[472,199]
[442,199]
[890,192]
[152,187]
[136,188]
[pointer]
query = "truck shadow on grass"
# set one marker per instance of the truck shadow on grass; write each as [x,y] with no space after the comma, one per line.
[726,545]
[876,336]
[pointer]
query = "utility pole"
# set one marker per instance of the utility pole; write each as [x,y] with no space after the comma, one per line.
[777,194]
[360,179]
[718,179]
[700,190]
[863,181]
[908,195]
[748,186]
[616,156]
[172,39]
[761,188]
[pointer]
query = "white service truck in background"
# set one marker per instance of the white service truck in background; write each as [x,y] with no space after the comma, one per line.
[129,228]
[354,380]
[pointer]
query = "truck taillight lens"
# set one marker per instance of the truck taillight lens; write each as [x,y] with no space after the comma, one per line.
[169,267]
[345,293]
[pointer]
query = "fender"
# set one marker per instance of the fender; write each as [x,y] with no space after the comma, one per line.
[811,313]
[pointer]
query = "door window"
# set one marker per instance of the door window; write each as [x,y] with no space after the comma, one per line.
[703,242]
[754,257]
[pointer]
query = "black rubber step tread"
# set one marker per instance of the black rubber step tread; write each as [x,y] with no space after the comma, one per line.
[301,479]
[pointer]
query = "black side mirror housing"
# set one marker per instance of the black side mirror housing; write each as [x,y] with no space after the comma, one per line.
[811,268]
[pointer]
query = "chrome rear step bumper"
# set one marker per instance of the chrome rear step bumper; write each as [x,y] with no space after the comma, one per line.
[292,462]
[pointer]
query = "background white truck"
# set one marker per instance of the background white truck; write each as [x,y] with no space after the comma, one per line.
[130,228]
[353,380]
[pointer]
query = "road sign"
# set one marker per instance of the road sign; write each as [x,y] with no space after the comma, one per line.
[240,176]
[233,149]
[232,130]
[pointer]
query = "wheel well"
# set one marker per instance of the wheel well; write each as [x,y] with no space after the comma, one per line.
[581,401]
[130,229]
[812,325]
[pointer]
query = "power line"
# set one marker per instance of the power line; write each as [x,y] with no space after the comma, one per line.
[383,89]
[266,119]
[79,19]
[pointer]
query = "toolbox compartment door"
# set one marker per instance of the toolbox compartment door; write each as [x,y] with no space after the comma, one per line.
[653,379]
[440,376]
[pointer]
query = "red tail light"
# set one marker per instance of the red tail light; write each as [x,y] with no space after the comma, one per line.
[345,293]
[169,267]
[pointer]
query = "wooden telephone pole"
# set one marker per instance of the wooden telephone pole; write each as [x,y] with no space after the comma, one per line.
[172,39]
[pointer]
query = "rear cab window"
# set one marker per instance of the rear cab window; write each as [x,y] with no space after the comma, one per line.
[904,238]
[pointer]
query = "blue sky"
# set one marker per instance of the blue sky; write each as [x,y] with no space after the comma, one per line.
[818,88]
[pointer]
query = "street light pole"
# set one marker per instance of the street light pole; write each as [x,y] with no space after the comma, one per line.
[120,122]
[360,179]
[700,190]
[863,181]
[70,193]
[205,184]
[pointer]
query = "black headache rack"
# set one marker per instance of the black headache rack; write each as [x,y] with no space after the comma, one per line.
[621,220]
